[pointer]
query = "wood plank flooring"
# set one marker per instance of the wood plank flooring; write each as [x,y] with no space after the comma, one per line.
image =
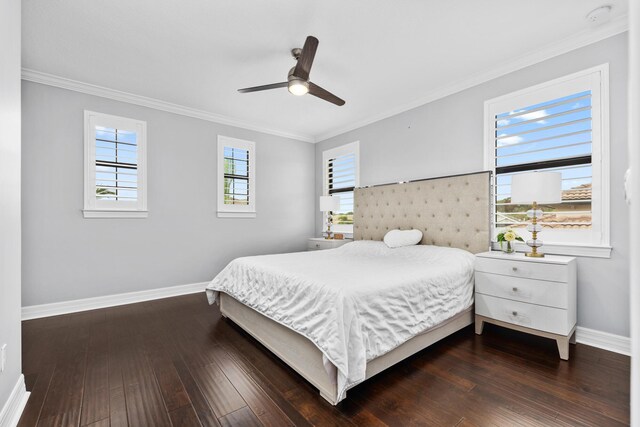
[176,362]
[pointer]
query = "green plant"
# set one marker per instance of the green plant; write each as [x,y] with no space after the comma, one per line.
[101,191]
[508,236]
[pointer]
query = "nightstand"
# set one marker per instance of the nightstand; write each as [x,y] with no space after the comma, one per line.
[533,295]
[319,243]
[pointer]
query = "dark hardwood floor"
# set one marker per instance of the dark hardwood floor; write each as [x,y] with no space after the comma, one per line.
[177,362]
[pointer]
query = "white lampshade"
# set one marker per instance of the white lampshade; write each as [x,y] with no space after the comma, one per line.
[329,203]
[540,187]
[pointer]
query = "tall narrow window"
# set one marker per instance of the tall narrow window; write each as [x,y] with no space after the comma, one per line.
[341,178]
[558,126]
[236,187]
[236,176]
[115,170]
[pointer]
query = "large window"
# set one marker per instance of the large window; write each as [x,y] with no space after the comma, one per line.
[341,176]
[115,170]
[236,186]
[557,126]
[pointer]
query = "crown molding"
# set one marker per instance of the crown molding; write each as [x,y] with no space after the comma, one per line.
[573,42]
[104,92]
[576,41]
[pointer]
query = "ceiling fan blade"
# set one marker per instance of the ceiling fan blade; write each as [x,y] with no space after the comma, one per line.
[263,87]
[316,90]
[303,67]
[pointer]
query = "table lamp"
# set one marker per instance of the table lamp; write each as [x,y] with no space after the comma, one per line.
[329,204]
[536,188]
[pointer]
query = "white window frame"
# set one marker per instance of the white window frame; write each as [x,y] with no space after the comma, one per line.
[237,211]
[332,153]
[595,79]
[94,208]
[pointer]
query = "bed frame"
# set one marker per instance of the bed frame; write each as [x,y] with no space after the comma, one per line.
[451,211]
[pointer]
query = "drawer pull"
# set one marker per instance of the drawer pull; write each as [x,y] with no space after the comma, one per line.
[515,289]
[515,313]
[317,245]
[514,268]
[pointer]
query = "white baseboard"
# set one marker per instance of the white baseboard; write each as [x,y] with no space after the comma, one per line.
[13,407]
[604,340]
[65,307]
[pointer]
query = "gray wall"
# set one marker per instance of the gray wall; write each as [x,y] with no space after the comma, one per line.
[10,195]
[446,137]
[67,257]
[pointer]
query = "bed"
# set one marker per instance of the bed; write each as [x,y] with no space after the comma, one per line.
[340,316]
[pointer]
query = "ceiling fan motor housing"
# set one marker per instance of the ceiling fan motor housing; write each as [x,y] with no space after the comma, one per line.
[297,86]
[290,76]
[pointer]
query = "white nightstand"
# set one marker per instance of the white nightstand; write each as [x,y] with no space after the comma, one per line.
[319,243]
[533,295]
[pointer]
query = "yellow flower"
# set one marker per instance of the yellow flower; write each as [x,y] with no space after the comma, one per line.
[509,236]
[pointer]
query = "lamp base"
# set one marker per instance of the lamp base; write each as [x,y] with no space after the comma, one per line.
[534,254]
[329,224]
[534,228]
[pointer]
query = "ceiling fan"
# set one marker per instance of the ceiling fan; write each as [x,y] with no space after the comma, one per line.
[298,79]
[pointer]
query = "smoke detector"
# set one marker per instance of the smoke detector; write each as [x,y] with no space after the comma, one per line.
[599,16]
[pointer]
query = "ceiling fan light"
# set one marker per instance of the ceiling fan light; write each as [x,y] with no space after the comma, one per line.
[298,87]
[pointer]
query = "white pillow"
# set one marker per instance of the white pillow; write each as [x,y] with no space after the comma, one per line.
[398,238]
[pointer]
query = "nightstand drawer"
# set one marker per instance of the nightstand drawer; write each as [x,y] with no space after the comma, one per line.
[541,292]
[525,269]
[548,319]
[317,245]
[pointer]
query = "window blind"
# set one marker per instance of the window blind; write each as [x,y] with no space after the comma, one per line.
[116,164]
[555,135]
[341,181]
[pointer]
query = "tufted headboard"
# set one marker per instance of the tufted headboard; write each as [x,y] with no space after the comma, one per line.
[450,211]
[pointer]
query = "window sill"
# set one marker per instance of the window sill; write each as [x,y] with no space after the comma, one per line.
[222,214]
[96,213]
[589,251]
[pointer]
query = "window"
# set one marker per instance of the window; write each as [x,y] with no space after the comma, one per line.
[558,126]
[115,167]
[341,176]
[236,179]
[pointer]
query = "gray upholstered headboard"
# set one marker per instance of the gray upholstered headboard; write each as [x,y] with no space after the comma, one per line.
[450,211]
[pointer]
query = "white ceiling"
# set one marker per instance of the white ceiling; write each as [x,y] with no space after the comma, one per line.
[378,55]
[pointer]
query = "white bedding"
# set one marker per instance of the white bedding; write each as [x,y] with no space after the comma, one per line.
[356,302]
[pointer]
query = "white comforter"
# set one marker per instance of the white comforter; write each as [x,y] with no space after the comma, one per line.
[356,302]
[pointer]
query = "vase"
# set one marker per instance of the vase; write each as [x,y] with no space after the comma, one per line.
[508,249]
